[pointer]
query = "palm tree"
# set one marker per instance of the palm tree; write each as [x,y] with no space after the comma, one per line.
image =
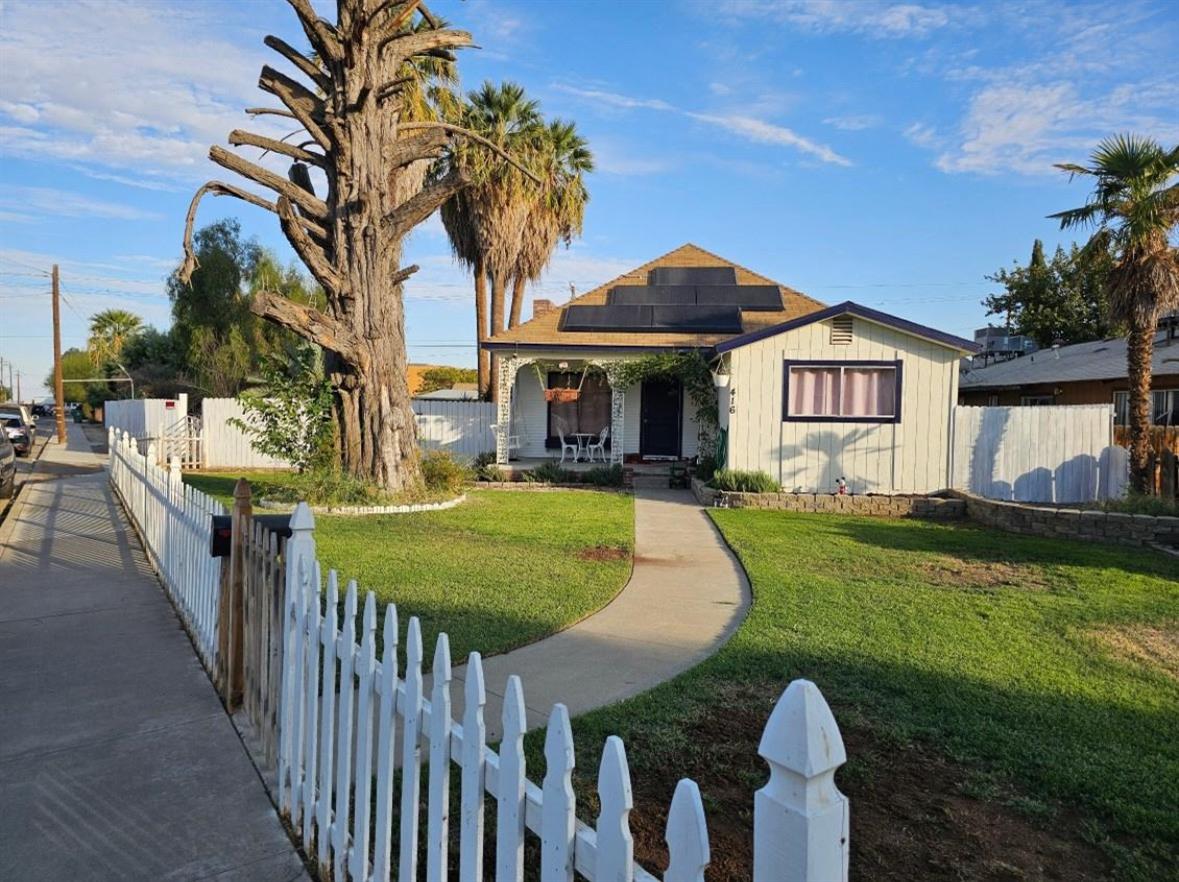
[109,332]
[557,209]
[485,222]
[1135,209]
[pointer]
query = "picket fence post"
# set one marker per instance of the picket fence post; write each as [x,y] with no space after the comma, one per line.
[800,819]
[558,822]
[616,846]
[687,835]
[386,748]
[509,820]
[300,546]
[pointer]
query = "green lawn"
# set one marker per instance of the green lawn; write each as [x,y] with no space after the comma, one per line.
[1036,679]
[503,569]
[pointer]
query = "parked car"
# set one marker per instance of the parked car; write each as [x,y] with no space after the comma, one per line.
[7,468]
[21,411]
[19,435]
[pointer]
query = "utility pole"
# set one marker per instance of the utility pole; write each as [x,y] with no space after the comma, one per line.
[18,387]
[58,386]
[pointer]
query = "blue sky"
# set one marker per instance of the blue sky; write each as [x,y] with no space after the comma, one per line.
[891,153]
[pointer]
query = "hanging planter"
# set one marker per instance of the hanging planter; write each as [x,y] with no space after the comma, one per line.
[562,396]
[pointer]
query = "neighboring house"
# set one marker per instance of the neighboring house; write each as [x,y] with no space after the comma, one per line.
[457,392]
[809,394]
[1083,373]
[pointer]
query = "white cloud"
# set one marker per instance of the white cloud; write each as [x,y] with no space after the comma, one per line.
[873,18]
[613,99]
[921,134]
[767,133]
[854,122]
[128,85]
[50,202]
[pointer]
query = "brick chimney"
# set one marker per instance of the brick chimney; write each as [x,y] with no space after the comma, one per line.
[541,307]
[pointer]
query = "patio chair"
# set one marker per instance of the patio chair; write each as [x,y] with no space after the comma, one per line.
[566,446]
[599,445]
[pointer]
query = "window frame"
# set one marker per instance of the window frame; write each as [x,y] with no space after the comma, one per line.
[897,366]
[1043,399]
[553,442]
[1170,404]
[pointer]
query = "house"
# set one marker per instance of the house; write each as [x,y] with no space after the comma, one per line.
[457,392]
[806,393]
[1083,373]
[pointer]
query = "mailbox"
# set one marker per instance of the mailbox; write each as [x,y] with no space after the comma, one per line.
[222,536]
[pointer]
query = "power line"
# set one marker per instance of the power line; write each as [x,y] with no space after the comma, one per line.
[13,260]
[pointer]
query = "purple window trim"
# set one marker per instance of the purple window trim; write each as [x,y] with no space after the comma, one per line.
[821,363]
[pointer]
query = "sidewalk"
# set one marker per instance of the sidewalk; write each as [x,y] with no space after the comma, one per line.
[117,760]
[685,598]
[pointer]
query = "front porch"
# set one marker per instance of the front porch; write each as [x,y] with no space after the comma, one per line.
[652,420]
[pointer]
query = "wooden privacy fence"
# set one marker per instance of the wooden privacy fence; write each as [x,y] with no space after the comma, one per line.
[1038,454]
[175,523]
[352,724]
[463,428]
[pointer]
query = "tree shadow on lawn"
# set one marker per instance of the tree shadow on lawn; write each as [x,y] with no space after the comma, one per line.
[949,777]
[974,542]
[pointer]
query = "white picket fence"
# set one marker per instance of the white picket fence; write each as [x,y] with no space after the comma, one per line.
[463,428]
[339,749]
[1060,453]
[175,524]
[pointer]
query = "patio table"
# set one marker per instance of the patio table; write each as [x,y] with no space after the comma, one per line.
[583,440]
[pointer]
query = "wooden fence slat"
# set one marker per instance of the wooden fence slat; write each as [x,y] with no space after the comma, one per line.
[616,846]
[558,808]
[687,835]
[298,691]
[311,703]
[438,798]
[327,722]
[346,656]
[474,767]
[363,786]
[412,753]
[509,830]
[386,748]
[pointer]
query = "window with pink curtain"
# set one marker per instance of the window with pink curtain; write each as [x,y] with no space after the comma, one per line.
[842,391]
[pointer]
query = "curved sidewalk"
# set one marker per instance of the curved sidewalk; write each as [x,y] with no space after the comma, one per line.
[685,598]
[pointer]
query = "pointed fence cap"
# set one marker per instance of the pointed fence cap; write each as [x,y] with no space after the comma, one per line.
[413,644]
[802,734]
[389,633]
[558,740]
[441,667]
[301,517]
[241,489]
[474,690]
[687,835]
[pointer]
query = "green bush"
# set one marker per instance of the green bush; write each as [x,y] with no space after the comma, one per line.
[603,476]
[485,469]
[706,468]
[1138,503]
[550,473]
[327,486]
[737,481]
[442,473]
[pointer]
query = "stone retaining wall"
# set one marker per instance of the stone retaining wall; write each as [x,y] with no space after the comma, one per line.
[932,507]
[1072,523]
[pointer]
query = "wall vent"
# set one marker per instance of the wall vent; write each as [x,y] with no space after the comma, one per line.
[841,330]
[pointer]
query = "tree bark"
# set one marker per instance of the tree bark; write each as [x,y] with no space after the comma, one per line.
[484,362]
[1139,355]
[498,308]
[518,285]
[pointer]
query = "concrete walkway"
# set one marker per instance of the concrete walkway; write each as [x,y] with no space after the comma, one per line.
[685,598]
[117,760]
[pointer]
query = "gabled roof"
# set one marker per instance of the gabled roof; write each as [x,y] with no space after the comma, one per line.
[545,330]
[1095,360]
[848,308]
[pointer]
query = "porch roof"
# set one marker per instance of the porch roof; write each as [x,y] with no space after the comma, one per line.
[543,331]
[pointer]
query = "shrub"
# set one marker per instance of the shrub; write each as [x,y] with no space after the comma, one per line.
[485,469]
[328,486]
[604,476]
[706,468]
[550,473]
[744,482]
[442,473]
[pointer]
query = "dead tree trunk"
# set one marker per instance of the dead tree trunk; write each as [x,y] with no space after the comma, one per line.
[351,238]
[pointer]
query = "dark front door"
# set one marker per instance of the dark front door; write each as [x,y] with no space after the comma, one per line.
[659,416]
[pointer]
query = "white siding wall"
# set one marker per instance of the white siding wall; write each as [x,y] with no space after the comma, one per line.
[225,446]
[911,456]
[144,417]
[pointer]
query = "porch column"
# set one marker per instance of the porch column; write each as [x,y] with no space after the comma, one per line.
[503,428]
[617,412]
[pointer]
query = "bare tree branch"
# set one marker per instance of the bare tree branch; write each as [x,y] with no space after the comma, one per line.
[427,145]
[417,208]
[309,252]
[404,273]
[310,204]
[323,36]
[240,138]
[305,105]
[270,111]
[388,90]
[407,45]
[474,136]
[312,70]
[309,323]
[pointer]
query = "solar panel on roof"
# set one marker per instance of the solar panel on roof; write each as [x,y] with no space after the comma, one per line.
[752,297]
[637,319]
[692,275]
[726,319]
[672,295]
[606,318]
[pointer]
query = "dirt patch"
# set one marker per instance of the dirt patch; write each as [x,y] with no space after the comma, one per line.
[982,574]
[603,552]
[910,815]
[1154,647]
